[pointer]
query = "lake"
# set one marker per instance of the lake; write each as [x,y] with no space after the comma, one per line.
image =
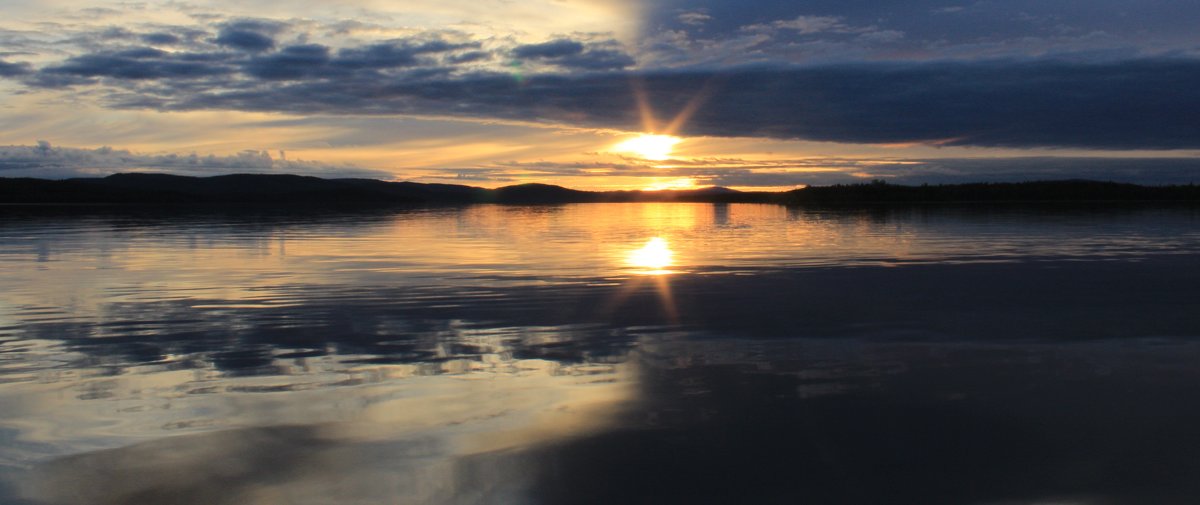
[601,353]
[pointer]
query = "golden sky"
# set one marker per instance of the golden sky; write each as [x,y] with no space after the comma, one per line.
[600,94]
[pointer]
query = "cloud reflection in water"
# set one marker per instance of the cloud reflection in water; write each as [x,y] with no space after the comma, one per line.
[513,354]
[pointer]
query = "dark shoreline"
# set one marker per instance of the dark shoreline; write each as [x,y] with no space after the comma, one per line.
[292,191]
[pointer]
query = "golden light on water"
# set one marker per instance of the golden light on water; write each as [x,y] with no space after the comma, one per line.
[650,147]
[652,260]
[654,257]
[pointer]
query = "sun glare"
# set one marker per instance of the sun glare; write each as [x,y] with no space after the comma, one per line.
[650,147]
[655,256]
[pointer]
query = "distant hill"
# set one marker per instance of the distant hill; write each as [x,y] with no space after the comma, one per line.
[295,190]
[138,188]
[1033,191]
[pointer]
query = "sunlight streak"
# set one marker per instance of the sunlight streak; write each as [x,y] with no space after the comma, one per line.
[691,107]
[638,88]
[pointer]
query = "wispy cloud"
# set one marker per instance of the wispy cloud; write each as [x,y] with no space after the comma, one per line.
[46,161]
[694,18]
[824,171]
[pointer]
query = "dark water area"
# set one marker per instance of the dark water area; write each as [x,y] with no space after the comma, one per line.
[601,353]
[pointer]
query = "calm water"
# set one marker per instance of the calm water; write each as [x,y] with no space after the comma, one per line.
[601,353]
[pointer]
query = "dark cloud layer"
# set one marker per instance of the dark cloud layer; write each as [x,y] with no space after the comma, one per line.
[248,35]
[553,49]
[1144,103]
[573,54]
[1123,105]
[293,62]
[140,64]
[932,25]
[161,38]
[13,69]
[245,40]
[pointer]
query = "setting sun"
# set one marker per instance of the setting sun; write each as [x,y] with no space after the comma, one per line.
[650,147]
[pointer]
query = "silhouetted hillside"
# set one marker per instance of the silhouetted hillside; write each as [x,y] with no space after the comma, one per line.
[540,193]
[294,190]
[878,192]
[312,191]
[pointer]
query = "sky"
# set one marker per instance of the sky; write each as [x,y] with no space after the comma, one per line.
[614,94]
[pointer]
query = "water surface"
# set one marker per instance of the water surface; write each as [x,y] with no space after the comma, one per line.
[601,353]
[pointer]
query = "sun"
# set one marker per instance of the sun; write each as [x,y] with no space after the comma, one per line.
[650,147]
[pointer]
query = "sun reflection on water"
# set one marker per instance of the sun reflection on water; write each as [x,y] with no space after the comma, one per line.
[653,258]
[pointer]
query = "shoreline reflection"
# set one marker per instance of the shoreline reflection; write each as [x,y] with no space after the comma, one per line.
[602,354]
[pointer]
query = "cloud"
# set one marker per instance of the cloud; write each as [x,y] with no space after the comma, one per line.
[400,53]
[469,57]
[140,64]
[806,25]
[251,35]
[826,171]
[14,69]
[292,62]
[159,38]
[554,49]
[98,12]
[468,176]
[574,54]
[1144,104]
[598,60]
[248,41]
[694,18]
[1139,103]
[288,63]
[1018,28]
[948,10]
[46,161]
